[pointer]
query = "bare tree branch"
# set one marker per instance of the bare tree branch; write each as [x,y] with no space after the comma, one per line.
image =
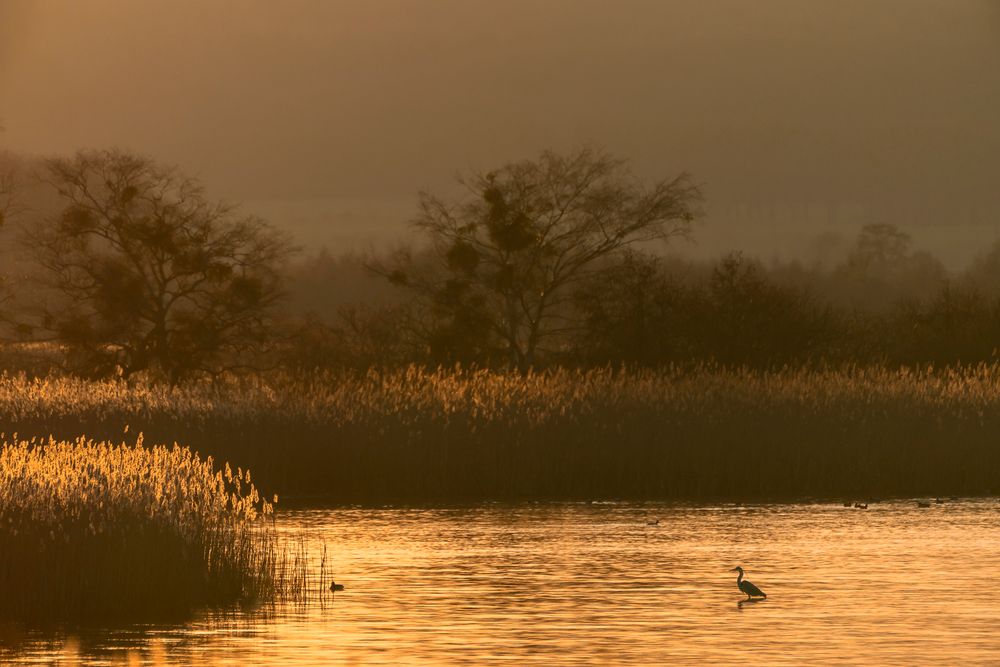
[141,272]
[507,255]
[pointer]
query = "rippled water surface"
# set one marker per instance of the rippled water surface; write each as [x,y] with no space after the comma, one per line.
[594,584]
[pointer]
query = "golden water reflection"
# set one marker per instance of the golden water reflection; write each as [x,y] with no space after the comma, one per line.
[594,584]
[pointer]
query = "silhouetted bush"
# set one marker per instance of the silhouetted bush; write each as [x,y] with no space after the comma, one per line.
[954,326]
[637,314]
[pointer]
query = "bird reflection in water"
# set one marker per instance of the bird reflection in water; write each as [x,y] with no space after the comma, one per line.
[740,603]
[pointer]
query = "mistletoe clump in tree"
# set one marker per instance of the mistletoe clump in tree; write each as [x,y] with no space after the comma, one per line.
[506,260]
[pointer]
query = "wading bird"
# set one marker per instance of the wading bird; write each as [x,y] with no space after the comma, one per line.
[746,586]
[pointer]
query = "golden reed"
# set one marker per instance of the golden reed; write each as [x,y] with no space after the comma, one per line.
[93,531]
[470,434]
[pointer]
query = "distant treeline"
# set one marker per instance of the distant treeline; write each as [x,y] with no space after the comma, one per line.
[882,303]
[119,266]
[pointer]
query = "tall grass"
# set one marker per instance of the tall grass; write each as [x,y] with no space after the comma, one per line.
[94,531]
[471,434]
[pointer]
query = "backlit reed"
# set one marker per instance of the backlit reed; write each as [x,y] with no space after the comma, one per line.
[416,434]
[92,531]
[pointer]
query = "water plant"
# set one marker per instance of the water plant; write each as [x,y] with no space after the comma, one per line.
[418,434]
[92,531]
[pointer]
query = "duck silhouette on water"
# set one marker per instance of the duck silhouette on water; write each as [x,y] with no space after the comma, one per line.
[334,586]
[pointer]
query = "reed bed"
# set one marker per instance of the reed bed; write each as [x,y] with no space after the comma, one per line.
[91,531]
[466,434]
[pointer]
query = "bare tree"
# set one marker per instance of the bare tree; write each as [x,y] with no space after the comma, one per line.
[880,245]
[9,183]
[508,256]
[140,271]
[883,269]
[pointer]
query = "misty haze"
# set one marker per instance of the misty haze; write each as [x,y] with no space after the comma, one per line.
[455,332]
[801,119]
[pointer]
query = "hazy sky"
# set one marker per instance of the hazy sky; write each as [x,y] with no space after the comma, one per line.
[799,116]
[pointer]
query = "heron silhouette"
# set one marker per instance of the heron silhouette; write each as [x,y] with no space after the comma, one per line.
[745,586]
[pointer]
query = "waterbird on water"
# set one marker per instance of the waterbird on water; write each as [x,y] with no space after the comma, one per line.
[334,586]
[922,504]
[746,586]
[860,506]
[653,523]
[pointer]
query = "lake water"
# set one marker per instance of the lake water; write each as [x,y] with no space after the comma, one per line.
[582,584]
